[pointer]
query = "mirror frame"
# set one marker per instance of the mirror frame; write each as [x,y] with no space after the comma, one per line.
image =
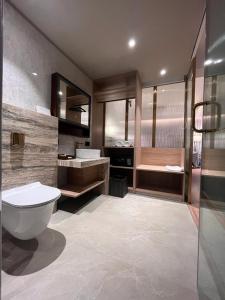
[67,126]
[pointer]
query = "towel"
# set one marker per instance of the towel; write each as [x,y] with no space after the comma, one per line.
[175,168]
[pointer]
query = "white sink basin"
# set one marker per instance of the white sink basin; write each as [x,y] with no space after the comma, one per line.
[88,153]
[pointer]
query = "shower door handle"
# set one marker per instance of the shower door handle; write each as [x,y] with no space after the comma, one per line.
[218,110]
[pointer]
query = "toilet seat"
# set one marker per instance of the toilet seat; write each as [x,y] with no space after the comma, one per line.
[30,195]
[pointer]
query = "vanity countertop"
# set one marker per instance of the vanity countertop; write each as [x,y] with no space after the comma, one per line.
[82,162]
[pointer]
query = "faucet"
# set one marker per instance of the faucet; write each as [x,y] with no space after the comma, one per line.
[77,145]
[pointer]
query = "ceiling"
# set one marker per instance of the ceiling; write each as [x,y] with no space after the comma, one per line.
[95,33]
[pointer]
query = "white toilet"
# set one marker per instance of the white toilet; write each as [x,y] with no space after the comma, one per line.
[26,210]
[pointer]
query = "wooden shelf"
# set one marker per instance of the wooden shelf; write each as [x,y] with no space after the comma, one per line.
[213,173]
[121,167]
[155,193]
[156,168]
[73,128]
[75,124]
[115,147]
[76,191]
[82,162]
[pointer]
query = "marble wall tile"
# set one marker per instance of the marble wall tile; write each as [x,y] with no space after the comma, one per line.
[37,159]
[68,144]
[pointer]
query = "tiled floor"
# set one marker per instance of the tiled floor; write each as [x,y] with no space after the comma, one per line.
[134,248]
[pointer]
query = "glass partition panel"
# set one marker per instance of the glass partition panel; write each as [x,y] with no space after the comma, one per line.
[115,122]
[170,116]
[211,262]
[131,120]
[146,119]
[220,98]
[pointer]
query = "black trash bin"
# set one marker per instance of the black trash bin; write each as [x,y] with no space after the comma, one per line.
[118,186]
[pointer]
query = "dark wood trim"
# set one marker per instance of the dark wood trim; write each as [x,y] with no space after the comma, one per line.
[193,70]
[188,168]
[185,109]
[1,67]
[213,110]
[154,116]
[103,130]
[214,88]
[54,96]
[145,85]
[119,99]
[126,119]
[55,84]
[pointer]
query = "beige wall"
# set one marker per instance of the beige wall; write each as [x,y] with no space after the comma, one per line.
[26,50]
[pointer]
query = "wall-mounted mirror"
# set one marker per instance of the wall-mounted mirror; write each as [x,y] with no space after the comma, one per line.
[71,105]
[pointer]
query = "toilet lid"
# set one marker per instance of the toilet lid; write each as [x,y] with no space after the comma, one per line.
[30,195]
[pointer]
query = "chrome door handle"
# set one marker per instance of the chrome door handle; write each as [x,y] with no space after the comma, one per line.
[202,130]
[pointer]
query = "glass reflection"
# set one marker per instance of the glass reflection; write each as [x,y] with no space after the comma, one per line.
[73,104]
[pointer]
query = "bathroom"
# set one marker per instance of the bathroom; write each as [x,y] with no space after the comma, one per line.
[113,149]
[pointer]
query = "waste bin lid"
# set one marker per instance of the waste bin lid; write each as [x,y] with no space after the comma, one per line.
[119,176]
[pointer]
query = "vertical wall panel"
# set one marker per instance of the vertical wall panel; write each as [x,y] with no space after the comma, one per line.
[170,116]
[220,96]
[114,122]
[131,118]
[146,120]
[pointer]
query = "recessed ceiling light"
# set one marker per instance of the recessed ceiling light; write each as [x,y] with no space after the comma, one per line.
[218,61]
[60,93]
[132,43]
[208,62]
[163,72]
[35,74]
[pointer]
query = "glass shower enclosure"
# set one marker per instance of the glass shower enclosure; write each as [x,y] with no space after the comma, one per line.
[211,262]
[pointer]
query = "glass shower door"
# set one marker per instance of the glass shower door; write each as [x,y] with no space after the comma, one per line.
[188,132]
[211,262]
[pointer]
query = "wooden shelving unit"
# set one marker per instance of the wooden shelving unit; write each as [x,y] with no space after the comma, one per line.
[157,181]
[78,176]
[156,169]
[75,191]
[121,155]
[153,178]
[148,173]
[121,167]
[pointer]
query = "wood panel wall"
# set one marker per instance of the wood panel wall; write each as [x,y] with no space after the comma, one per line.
[97,130]
[162,156]
[117,87]
[137,137]
[37,159]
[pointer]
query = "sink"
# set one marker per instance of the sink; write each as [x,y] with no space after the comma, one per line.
[88,153]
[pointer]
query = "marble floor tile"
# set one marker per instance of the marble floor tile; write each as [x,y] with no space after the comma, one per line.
[135,248]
